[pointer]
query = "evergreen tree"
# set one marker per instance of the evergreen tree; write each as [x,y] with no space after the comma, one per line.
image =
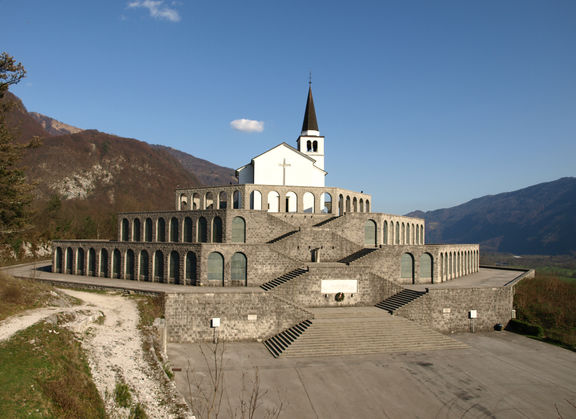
[15,193]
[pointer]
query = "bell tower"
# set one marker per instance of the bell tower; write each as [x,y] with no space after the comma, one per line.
[310,142]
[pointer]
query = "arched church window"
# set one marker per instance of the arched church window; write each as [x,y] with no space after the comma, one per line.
[308,200]
[308,145]
[222,200]
[315,146]
[255,200]
[217,230]
[238,268]
[238,230]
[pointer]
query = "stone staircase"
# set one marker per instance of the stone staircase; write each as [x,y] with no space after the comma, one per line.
[321,223]
[282,279]
[278,344]
[398,300]
[357,255]
[283,236]
[363,330]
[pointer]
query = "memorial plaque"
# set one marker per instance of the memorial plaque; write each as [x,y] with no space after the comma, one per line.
[333,286]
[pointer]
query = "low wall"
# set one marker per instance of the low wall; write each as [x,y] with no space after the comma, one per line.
[447,310]
[244,316]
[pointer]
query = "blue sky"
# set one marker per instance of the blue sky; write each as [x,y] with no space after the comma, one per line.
[424,104]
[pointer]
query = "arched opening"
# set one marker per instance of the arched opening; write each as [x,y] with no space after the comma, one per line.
[116,264]
[174,268]
[125,230]
[188,230]
[408,234]
[92,262]
[291,202]
[202,230]
[144,266]
[238,230]
[341,205]
[442,268]
[136,236]
[209,201]
[58,262]
[216,267]
[104,263]
[367,206]
[426,268]
[397,232]
[407,267]
[191,268]
[273,201]
[69,260]
[158,266]
[80,262]
[308,146]
[347,204]
[361,205]
[195,201]
[421,234]
[255,200]
[238,270]
[130,265]
[237,199]
[217,230]
[308,200]
[315,146]
[161,230]
[174,230]
[385,232]
[370,233]
[183,202]
[354,205]
[148,230]
[326,203]
[417,235]
[222,200]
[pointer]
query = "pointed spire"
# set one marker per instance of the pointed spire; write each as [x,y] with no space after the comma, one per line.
[310,123]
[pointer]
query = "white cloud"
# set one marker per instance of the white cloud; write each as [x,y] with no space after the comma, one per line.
[247,125]
[157,9]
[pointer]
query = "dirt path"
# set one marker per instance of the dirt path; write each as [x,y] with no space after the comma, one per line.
[113,348]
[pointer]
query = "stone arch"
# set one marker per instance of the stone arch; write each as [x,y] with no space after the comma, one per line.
[104,263]
[69,260]
[144,266]
[403,234]
[222,200]
[158,266]
[174,230]
[116,264]
[385,232]
[421,234]
[408,234]
[136,236]
[273,201]
[130,265]
[188,230]
[217,230]
[174,268]
[255,200]
[426,268]
[348,205]
[209,201]
[407,267]
[397,232]
[442,267]
[417,234]
[238,269]
[361,205]
[238,230]
[191,268]
[291,202]
[58,263]
[237,200]
[341,205]
[196,201]
[148,230]
[367,205]
[370,234]
[216,267]
[354,205]
[308,202]
[202,230]
[125,236]
[161,230]
[80,268]
[183,202]
[92,262]
[326,203]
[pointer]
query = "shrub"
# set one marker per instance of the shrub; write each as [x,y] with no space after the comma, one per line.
[525,328]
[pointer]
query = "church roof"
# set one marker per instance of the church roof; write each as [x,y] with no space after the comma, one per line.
[280,145]
[310,123]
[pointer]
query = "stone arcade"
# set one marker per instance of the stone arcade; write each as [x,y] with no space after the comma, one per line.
[258,254]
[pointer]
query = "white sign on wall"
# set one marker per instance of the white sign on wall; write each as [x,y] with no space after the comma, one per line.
[333,286]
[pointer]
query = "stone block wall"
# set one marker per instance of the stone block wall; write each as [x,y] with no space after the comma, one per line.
[244,316]
[447,310]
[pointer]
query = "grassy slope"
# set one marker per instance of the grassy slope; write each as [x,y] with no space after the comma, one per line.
[44,374]
[17,295]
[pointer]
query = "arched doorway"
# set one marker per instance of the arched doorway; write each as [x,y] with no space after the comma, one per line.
[407,267]
[238,269]
[370,233]
[216,267]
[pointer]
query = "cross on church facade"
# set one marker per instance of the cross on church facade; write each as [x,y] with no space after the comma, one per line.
[284,166]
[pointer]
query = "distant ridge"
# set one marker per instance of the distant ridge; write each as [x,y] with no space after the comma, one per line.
[53,126]
[540,219]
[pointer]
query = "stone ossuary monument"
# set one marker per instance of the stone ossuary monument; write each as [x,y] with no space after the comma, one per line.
[258,255]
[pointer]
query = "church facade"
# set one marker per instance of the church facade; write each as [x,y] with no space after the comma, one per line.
[280,231]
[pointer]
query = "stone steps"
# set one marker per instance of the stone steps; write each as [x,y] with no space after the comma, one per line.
[282,279]
[283,236]
[364,330]
[357,255]
[277,344]
[322,223]
[398,300]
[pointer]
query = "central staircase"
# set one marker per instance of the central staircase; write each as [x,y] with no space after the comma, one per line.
[282,279]
[396,301]
[357,255]
[362,330]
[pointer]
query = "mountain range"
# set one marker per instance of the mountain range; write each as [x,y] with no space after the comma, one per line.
[83,178]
